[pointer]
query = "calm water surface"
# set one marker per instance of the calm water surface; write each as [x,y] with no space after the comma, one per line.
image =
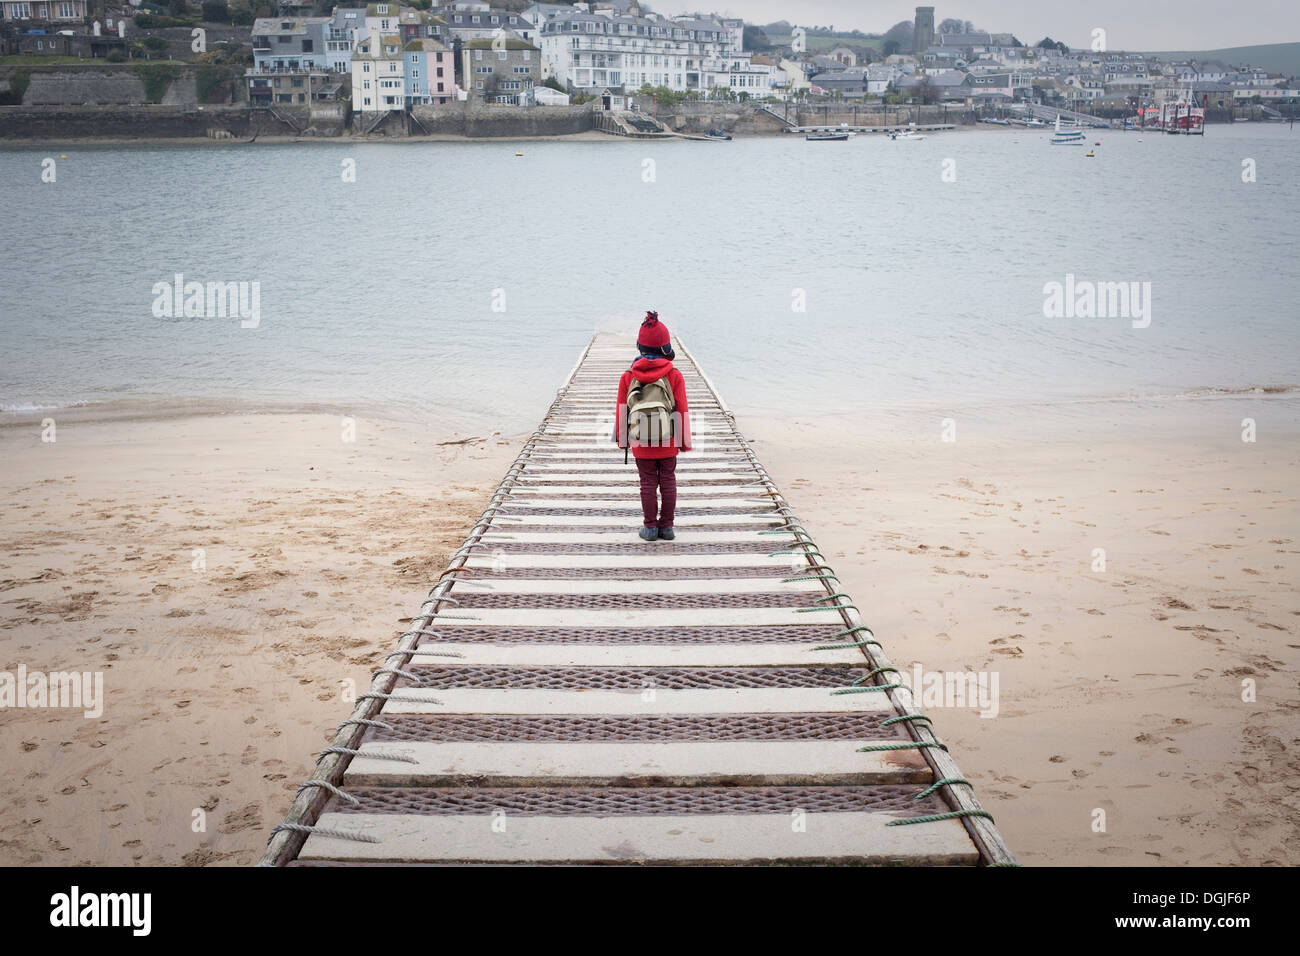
[922,296]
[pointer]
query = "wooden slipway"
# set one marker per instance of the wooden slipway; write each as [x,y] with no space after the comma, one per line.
[569,693]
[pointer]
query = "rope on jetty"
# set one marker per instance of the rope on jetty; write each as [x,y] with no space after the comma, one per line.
[326,785]
[935,817]
[946,781]
[322,831]
[373,754]
[907,745]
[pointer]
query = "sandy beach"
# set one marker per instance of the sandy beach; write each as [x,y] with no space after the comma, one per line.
[220,681]
[1120,690]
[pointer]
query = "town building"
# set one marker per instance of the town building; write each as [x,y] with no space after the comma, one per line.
[430,72]
[500,70]
[56,11]
[378,74]
[291,62]
[594,52]
[481,22]
[923,29]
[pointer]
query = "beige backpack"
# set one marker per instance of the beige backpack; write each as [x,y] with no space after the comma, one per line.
[649,413]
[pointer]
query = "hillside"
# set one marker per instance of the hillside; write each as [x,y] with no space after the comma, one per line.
[1274,57]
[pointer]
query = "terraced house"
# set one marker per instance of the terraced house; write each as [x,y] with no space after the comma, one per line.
[292,61]
[500,70]
[597,51]
[50,10]
[378,74]
[430,72]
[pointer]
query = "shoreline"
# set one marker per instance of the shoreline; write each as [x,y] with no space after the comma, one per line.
[1086,416]
[584,136]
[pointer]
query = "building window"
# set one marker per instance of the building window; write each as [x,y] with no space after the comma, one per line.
[478,54]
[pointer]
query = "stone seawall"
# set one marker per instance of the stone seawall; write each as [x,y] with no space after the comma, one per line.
[140,122]
[460,119]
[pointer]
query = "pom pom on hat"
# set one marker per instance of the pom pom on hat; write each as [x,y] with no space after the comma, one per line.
[654,334]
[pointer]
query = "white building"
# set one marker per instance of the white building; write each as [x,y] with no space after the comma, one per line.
[378,77]
[600,51]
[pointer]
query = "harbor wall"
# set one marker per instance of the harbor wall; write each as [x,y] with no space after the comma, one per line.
[144,123]
[498,121]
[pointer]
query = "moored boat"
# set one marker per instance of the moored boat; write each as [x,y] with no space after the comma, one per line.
[1066,135]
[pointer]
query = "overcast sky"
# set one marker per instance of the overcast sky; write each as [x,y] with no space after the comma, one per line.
[1129,24]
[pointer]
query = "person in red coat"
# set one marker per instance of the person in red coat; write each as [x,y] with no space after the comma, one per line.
[656,460]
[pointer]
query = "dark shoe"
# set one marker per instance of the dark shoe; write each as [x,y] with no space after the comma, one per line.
[667,534]
[649,534]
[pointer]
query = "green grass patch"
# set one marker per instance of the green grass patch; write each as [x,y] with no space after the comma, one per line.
[157,78]
[216,84]
[18,81]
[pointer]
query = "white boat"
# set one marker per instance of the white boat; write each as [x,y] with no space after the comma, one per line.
[1066,135]
[906,134]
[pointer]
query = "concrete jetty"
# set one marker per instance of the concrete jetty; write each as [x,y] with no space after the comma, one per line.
[569,693]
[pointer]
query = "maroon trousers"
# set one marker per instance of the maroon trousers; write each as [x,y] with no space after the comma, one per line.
[658,475]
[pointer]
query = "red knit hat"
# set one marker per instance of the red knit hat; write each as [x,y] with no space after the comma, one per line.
[654,334]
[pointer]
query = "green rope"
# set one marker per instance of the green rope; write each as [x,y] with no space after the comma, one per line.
[831,597]
[851,630]
[932,818]
[894,720]
[802,554]
[864,690]
[829,607]
[811,577]
[840,647]
[879,670]
[901,746]
[939,783]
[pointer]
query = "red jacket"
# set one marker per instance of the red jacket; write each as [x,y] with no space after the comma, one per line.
[651,370]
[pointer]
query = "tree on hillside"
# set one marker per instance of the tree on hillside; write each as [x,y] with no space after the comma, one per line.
[216,11]
[900,33]
[889,47]
[756,40]
[1047,43]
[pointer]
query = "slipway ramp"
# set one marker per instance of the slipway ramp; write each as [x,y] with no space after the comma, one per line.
[571,694]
